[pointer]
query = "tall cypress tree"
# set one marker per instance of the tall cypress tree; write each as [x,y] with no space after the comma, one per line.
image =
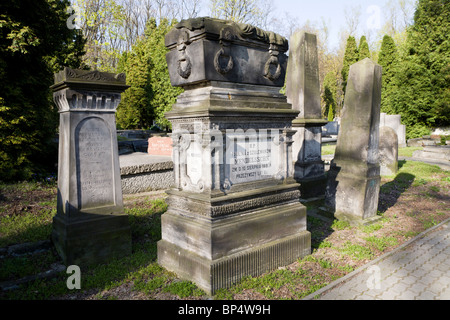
[329,95]
[423,77]
[388,59]
[350,57]
[363,49]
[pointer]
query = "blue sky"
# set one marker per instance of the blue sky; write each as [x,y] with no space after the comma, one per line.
[333,11]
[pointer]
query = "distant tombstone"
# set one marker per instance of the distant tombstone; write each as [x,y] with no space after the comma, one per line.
[90,225]
[160,146]
[303,92]
[331,128]
[354,176]
[394,121]
[388,148]
[234,210]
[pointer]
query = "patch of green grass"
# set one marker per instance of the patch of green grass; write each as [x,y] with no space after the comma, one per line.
[26,227]
[408,151]
[328,149]
[381,243]
[371,227]
[340,225]
[435,188]
[356,251]
[325,244]
[183,289]
[22,266]
[429,222]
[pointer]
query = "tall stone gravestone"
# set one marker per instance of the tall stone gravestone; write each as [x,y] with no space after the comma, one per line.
[234,210]
[303,92]
[354,176]
[90,225]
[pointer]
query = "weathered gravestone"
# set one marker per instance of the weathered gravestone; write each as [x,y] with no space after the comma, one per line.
[234,210]
[303,92]
[388,149]
[354,177]
[90,225]
[394,121]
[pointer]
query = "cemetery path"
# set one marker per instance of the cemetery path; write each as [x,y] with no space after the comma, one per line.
[417,270]
[444,165]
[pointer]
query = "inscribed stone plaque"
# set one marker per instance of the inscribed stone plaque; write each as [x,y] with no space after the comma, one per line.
[194,162]
[160,146]
[251,159]
[94,164]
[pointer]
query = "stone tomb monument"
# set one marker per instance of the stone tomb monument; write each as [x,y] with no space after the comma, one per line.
[354,177]
[234,210]
[303,92]
[90,225]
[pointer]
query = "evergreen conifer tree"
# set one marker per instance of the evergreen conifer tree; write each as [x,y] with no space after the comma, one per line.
[423,76]
[350,57]
[363,49]
[150,94]
[388,59]
[329,95]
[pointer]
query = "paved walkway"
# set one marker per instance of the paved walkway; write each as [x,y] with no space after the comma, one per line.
[417,270]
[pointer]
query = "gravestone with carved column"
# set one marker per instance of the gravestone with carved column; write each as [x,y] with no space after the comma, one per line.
[90,225]
[303,92]
[234,210]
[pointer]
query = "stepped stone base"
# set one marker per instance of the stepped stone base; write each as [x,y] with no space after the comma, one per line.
[211,275]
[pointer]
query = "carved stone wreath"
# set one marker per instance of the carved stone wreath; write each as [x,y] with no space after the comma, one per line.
[273,60]
[185,71]
[217,65]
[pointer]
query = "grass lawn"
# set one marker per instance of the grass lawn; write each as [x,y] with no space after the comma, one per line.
[417,198]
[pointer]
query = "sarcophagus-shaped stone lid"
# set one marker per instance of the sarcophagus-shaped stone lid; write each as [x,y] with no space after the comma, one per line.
[207,49]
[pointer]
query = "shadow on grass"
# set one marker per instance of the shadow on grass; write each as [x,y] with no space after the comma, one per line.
[391,191]
[319,222]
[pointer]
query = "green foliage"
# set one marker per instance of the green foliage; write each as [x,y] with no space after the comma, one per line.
[422,78]
[363,49]
[34,43]
[150,94]
[351,56]
[164,94]
[329,95]
[388,59]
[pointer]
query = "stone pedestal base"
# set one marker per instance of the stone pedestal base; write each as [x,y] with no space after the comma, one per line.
[352,191]
[92,241]
[309,168]
[311,188]
[219,251]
